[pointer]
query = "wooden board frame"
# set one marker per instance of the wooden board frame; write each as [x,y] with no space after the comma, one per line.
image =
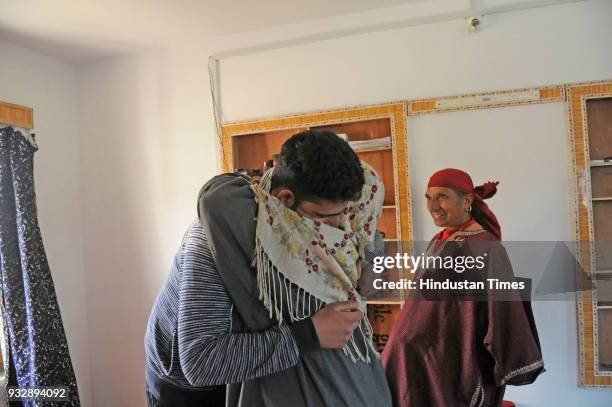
[487,100]
[16,115]
[577,95]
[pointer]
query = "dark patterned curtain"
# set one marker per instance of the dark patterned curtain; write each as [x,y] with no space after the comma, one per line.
[38,346]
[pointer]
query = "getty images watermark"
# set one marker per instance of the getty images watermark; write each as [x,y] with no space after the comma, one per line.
[458,264]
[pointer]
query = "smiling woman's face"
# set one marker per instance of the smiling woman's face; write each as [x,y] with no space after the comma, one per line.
[447,207]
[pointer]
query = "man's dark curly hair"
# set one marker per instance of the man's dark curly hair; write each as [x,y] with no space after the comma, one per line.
[316,165]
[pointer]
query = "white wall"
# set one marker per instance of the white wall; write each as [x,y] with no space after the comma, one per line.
[146,149]
[525,148]
[148,144]
[50,87]
[543,46]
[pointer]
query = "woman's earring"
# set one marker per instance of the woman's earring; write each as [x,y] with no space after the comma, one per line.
[469,210]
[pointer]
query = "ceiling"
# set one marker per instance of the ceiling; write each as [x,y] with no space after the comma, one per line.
[81,31]
[85,30]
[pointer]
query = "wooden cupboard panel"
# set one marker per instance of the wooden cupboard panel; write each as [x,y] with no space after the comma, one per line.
[387,223]
[605,339]
[602,225]
[604,289]
[601,182]
[251,150]
[599,119]
[391,274]
[382,162]
[382,318]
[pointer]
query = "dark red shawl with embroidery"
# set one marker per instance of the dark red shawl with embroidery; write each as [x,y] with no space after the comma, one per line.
[462,352]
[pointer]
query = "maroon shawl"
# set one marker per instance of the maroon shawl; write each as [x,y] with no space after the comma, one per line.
[457,352]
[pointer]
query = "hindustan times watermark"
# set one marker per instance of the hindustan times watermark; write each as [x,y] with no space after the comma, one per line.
[509,270]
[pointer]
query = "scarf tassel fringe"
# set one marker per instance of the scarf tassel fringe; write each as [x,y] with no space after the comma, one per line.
[277,294]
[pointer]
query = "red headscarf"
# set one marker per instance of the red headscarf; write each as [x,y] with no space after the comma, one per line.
[462,182]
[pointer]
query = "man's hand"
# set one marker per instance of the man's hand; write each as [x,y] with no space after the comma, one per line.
[335,323]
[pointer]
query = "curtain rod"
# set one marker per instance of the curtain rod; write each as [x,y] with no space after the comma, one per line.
[16,115]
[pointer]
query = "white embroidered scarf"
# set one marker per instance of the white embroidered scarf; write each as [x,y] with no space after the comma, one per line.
[321,261]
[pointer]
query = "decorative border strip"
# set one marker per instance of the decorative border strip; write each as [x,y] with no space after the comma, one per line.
[487,100]
[578,94]
[525,369]
[408,212]
[398,226]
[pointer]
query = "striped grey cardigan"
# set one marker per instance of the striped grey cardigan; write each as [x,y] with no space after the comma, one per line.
[189,340]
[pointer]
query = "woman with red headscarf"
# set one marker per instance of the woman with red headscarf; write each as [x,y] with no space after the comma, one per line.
[456,348]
